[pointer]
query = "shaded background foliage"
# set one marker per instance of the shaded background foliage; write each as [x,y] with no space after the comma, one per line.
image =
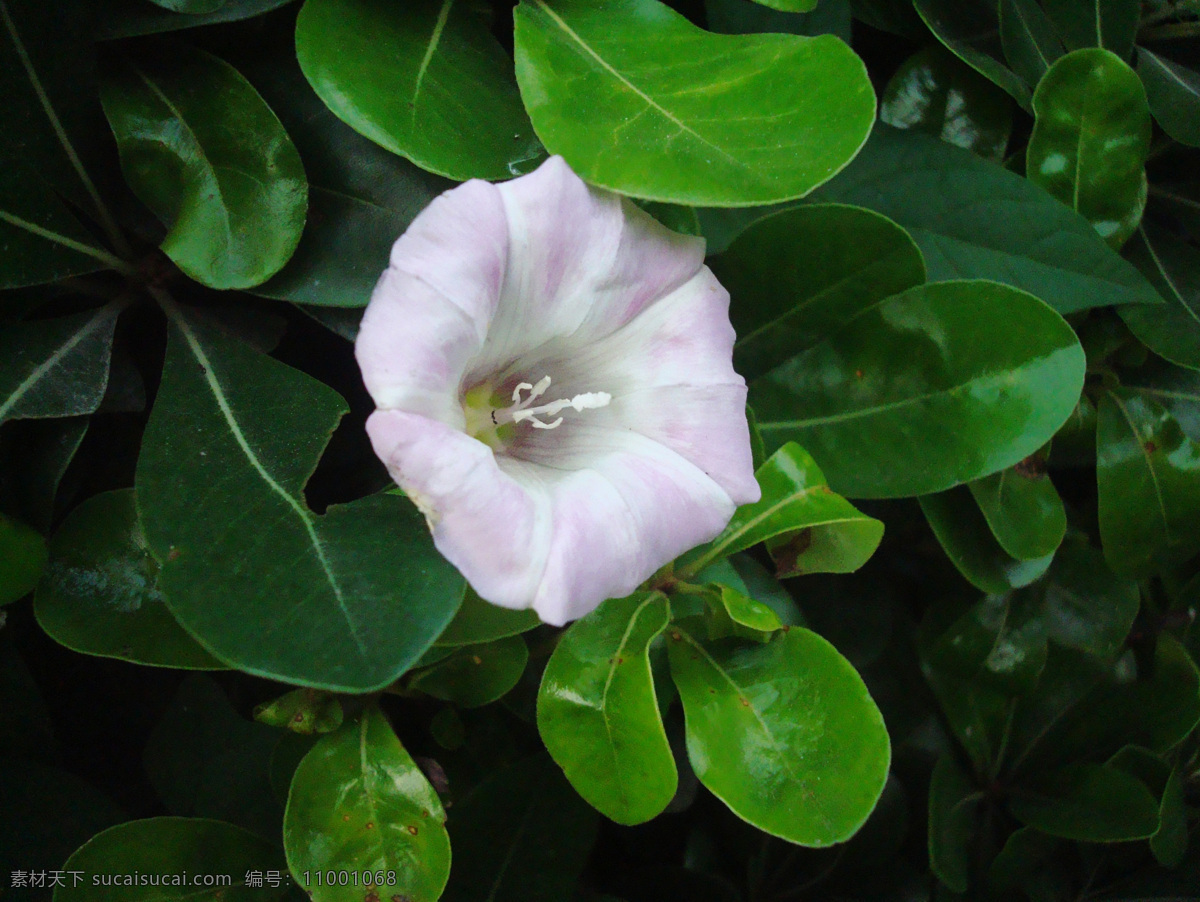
[951,653]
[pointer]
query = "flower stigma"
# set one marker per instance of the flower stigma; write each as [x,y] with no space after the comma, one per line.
[492,423]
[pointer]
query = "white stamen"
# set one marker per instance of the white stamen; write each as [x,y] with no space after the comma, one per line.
[521,411]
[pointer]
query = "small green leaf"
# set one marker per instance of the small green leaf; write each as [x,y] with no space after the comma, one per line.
[22,559]
[597,711]
[181,848]
[785,733]
[921,378]
[1087,802]
[970,29]
[738,135]
[1173,267]
[358,802]
[741,615]
[475,675]
[101,594]
[425,79]
[480,621]
[1148,480]
[1111,24]
[1023,509]
[304,711]
[937,93]
[1031,43]
[953,803]
[823,533]
[56,367]
[1174,95]
[1090,139]
[799,274]
[345,601]
[209,158]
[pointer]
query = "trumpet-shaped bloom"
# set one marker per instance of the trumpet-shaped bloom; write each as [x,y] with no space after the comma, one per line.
[552,371]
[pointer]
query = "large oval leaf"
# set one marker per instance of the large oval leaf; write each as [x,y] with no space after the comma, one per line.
[598,715]
[975,220]
[1023,509]
[348,600]
[785,733]
[101,594]
[795,276]
[762,118]
[1090,139]
[939,385]
[203,861]
[1088,802]
[359,803]
[423,78]
[1173,266]
[207,155]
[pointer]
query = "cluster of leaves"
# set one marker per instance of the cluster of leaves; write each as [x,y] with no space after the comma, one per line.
[973,307]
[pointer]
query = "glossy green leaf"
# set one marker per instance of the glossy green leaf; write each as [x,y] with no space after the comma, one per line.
[937,93]
[973,219]
[22,559]
[209,158]
[475,675]
[678,114]
[347,600]
[56,367]
[1088,802]
[425,79]
[1148,480]
[1173,267]
[785,733]
[128,18]
[303,711]
[1031,43]
[744,17]
[823,532]
[358,802]
[101,594]
[480,621]
[1111,24]
[1090,139]
[598,714]
[799,274]
[206,760]
[1023,509]
[1176,389]
[180,848]
[970,29]
[790,6]
[1084,605]
[953,802]
[916,394]
[522,835]
[1174,95]
[745,617]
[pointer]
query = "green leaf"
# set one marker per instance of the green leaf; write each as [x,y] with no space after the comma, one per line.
[209,158]
[733,613]
[206,760]
[480,621]
[303,711]
[970,29]
[1173,267]
[523,835]
[1087,802]
[475,675]
[101,594]
[1090,139]
[180,847]
[425,79]
[128,18]
[973,219]
[1176,389]
[1148,481]
[56,367]
[743,17]
[358,802]
[790,6]
[763,117]
[785,733]
[894,16]
[953,803]
[823,533]
[797,275]
[1169,843]
[190,7]
[933,91]
[1111,24]
[920,377]
[1023,509]
[1174,96]
[1084,605]
[1031,43]
[598,714]
[22,559]
[347,600]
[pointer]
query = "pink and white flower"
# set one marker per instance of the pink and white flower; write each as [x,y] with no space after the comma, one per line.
[553,375]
